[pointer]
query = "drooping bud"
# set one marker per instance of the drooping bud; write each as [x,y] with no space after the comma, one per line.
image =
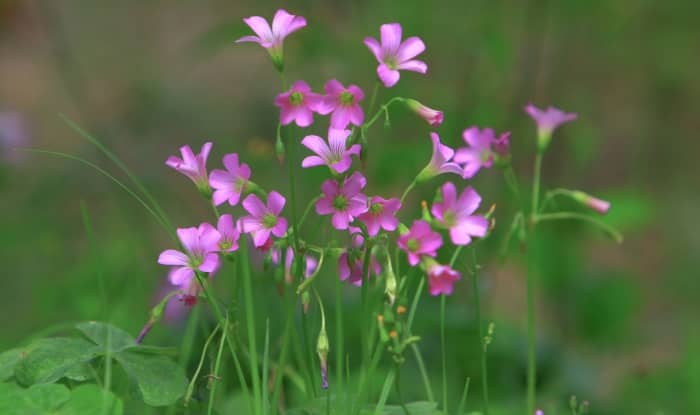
[431,116]
[279,149]
[156,315]
[599,205]
[390,284]
[323,346]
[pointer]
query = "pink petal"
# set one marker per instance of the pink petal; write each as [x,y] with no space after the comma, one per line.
[391,37]
[340,220]
[231,162]
[221,196]
[172,257]
[410,48]
[225,225]
[468,202]
[220,179]
[181,276]
[374,47]
[250,39]
[354,184]
[275,202]
[333,87]
[260,237]
[312,161]
[317,145]
[250,224]
[189,237]
[253,205]
[280,227]
[474,225]
[340,118]
[211,263]
[324,206]
[414,66]
[389,77]
[260,27]
[330,187]
[284,23]
[460,236]
[449,195]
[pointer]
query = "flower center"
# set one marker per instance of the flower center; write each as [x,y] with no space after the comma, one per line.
[340,203]
[296,98]
[413,244]
[485,155]
[376,209]
[450,218]
[390,61]
[346,98]
[269,220]
[225,245]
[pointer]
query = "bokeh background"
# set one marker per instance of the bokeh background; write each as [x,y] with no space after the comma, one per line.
[618,324]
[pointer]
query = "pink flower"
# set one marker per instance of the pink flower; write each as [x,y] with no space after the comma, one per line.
[501,146]
[440,161]
[229,233]
[539,412]
[192,166]
[350,266]
[441,279]
[599,205]
[201,246]
[394,55]
[479,153]
[298,104]
[344,103]
[336,156]
[547,121]
[230,183]
[272,38]
[311,263]
[381,214]
[13,134]
[264,220]
[431,116]
[344,202]
[455,214]
[419,240]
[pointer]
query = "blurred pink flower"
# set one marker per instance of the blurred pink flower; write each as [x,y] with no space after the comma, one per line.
[310,261]
[344,103]
[350,268]
[13,134]
[441,279]
[381,214]
[431,116]
[229,233]
[479,153]
[334,154]
[272,37]
[230,183]
[298,104]
[264,220]
[394,55]
[192,165]
[344,202]
[440,162]
[547,121]
[418,241]
[455,214]
[201,245]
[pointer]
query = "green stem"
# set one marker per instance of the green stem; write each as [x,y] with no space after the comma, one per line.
[364,323]
[477,314]
[384,108]
[217,366]
[531,357]
[250,323]
[266,369]
[512,182]
[373,100]
[536,184]
[414,346]
[195,376]
[612,232]
[311,204]
[289,300]
[442,351]
[408,190]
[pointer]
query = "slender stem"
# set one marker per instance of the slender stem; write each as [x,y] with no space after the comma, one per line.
[190,387]
[536,183]
[463,400]
[250,323]
[266,369]
[512,182]
[217,366]
[531,357]
[373,100]
[339,337]
[477,314]
[612,232]
[383,109]
[379,409]
[292,192]
[444,355]
[364,323]
[289,300]
[408,190]
[311,204]
[398,389]
[414,346]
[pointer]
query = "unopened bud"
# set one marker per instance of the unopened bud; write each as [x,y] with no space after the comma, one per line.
[279,150]
[431,116]
[599,205]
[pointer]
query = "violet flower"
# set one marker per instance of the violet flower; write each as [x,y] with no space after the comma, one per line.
[334,154]
[431,116]
[350,267]
[298,104]
[479,153]
[441,279]
[229,233]
[547,121]
[264,220]
[344,202]
[193,165]
[229,184]
[418,241]
[394,55]
[272,38]
[455,214]
[201,245]
[311,263]
[381,214]
[343,103]
[440,162]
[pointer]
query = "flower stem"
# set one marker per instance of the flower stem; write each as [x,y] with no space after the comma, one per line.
[365,324]
[536,184]
[217,366]
[373,100]
[250,323]
[408,190]
[612,232]
[443,300]
[477,315]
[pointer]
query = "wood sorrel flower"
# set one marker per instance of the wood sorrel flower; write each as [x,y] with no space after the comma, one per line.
[440,161]
[350,266]
[193,166]
[230,183]
[455,213]
[344,103]
[264,220]
[298,104]
[229,233]
[394,55]
[479,153]
[431,116]
[547,121]
[381,214]
[310,261]
[344,202]
[272,38]
[441,278]
[334,154]
[418,241]
[201,245]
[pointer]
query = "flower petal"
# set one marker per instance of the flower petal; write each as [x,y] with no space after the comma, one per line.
[374,47]
[260,27]
[414,66]
[253,205]
[391,37]
[172,257]
[410,48]
[389,77]
[275,202]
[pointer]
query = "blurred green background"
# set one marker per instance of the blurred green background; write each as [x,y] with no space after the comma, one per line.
[617,323]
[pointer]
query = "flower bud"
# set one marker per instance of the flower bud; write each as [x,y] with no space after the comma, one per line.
[599,205]
[279,150]
[322,348]
[431,116]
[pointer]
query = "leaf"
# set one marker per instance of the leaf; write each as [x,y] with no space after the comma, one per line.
[414,408]
[80,372]
[160,380]
[91,399]
[48,397]
[52,358]
[106,335]
[8,361]
[12,400]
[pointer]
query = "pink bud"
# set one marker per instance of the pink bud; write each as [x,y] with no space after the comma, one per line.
[431,116]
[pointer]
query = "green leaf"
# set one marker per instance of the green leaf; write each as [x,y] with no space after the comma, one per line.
[47,397]
[160,380]
[8,361]
[80,372]
[12,400]
[91,399]
[414,408]
[107,336]
[52,358]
